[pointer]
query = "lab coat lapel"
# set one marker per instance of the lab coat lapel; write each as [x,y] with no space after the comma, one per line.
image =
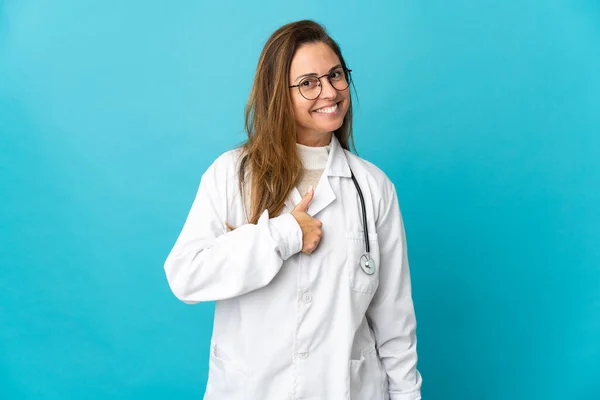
[292,200]
[324,196]
[337,166]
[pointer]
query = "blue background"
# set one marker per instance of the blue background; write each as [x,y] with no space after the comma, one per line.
[485,114]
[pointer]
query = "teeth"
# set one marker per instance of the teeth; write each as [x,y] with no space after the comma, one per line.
[327,110]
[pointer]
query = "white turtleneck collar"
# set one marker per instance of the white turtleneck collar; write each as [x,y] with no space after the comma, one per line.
[313,157]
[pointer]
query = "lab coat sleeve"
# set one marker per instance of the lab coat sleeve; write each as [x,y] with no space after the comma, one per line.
[391,313]
[209,263]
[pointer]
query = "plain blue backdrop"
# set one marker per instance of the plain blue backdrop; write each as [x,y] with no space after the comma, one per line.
[485,114]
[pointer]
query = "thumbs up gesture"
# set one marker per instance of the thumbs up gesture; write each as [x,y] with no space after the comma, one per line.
[311,227]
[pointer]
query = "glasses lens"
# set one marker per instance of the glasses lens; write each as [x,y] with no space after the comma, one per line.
[310,88]
[339,80]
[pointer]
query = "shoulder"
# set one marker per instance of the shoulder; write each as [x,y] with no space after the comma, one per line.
[226,165]
[380,187]
[220,182]
[228,159]
[369,172]
[221,179]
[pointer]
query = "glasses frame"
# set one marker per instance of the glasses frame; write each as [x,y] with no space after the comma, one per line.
[348,79]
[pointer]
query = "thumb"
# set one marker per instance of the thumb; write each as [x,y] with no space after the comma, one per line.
[305,202]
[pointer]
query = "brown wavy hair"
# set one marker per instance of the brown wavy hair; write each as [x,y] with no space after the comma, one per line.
[269,154]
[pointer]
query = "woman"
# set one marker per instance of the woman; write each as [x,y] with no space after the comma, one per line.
[307,307]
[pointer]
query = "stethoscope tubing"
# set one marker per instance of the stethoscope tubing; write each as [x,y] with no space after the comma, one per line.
[364,213]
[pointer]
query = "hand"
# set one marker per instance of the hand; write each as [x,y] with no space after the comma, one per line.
[311,227]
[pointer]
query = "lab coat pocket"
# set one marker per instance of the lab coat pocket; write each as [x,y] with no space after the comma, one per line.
[226,378]
[358,279]
[367,378]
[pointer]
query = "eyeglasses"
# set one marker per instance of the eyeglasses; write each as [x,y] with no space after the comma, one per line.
[311,87]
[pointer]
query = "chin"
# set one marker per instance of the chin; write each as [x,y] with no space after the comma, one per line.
[331,127]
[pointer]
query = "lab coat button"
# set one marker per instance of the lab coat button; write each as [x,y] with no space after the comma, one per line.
[303,355]
[307,298]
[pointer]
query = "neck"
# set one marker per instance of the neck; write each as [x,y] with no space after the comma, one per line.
[314,140]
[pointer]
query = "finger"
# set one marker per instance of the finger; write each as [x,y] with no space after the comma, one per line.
[305,202]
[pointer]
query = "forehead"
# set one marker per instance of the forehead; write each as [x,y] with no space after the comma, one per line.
[313,58]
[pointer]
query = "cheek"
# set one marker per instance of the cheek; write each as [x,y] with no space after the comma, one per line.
[346,105]
[345,95]
[301,108]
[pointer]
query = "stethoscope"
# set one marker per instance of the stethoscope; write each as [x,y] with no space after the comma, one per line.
[367,264]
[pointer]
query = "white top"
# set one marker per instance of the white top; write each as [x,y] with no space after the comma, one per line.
[313,157]
[292,326]
[314,161]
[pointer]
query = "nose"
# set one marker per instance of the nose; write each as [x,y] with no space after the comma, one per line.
[327,90]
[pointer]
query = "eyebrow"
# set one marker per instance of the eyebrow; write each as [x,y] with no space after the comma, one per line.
[315,74]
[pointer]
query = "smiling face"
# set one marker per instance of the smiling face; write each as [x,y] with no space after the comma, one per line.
[317,119]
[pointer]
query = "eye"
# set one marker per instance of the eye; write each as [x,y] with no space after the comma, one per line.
[336,75]
[309,83]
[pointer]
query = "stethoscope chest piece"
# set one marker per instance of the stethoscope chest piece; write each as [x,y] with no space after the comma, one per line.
[367,264]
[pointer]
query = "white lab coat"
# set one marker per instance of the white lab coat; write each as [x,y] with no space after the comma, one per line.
[290,326]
